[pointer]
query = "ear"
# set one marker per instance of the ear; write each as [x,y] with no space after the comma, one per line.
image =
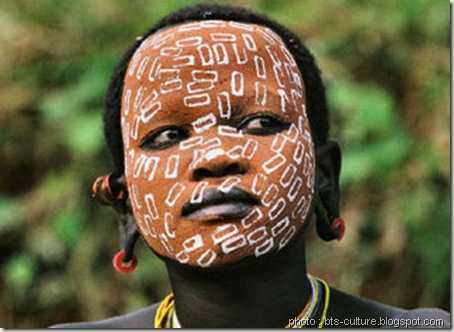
[129,232]
[328,164]
[327,191]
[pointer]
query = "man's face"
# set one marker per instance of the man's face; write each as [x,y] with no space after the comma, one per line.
[219,158]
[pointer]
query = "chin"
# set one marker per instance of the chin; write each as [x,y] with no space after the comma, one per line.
[237,259]
[240,262]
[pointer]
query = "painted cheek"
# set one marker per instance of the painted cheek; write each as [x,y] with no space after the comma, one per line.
[280,167]
[285,185]
[281,176]
[156,185]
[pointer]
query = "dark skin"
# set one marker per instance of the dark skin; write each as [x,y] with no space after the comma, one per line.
[239,296]
[265,292]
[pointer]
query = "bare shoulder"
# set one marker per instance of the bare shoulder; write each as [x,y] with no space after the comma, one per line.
[143,318]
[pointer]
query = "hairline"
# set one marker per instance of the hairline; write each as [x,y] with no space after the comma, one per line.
[255,19]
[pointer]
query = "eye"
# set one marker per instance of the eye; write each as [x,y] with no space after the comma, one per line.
[162,138]
[262,125]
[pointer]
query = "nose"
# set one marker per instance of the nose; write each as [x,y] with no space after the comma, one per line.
[219,167]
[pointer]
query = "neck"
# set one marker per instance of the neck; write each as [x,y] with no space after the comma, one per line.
[265,293]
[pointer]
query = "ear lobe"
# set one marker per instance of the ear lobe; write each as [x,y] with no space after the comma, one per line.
[109,189]
[328,164]
[129,232]
[118,185]
[327,191]
[112,190]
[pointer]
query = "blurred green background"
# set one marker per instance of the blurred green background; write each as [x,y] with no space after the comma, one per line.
[386,65]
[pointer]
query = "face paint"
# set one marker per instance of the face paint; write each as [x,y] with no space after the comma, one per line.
[219,158]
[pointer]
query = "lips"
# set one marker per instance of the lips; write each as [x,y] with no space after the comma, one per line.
[221,204]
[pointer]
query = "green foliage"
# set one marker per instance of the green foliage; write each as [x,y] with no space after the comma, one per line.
[429,217]
[387,71]
[67,226]
[20,272]
[376,143]
[9,213]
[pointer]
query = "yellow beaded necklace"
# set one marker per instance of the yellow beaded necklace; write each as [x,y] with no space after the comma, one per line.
[166,317]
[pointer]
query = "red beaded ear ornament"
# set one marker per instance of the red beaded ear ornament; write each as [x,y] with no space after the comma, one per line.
[338,225]
[124,267]
[108,191]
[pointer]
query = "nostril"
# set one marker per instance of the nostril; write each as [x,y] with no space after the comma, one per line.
[218,171]
[234,168]
[202,173]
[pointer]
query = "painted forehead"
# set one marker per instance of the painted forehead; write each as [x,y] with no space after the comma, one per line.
[201,74]
[250,63]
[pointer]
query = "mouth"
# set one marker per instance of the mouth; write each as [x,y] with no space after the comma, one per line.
[216,203]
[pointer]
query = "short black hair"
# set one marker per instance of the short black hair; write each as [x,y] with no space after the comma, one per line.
[316,105]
